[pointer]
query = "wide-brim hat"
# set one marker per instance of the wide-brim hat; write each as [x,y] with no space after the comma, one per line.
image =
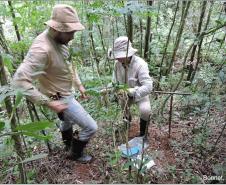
[64,19]
[122,48]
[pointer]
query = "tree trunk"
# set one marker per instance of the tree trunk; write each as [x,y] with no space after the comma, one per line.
[3,40]
[210,42]
[15,25]
[101,38]
[185,8]
[141,36]
[126,27]
[116,25]
[94,49]
[157,19]
[130,26]
[147,36]
[192,75]
[191,66]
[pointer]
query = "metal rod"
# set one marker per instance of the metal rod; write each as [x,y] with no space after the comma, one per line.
[178,93]
[170,114]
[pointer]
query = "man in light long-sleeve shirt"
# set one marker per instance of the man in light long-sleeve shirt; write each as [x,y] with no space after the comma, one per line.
[132,70]
[48,62]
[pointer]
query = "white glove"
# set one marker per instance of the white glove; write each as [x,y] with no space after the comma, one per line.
[131,92]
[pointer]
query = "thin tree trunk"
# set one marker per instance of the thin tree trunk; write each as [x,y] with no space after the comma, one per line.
[116,25]
[94,49]
[141,36]
[191,66]
[15,25]
[101,38]
[167,43]
[179,34]
[157,19]
[82,45]
[126,27]
[147,36]
[130,26]
[200,45]
[3,40]
[219,17]
[223,40]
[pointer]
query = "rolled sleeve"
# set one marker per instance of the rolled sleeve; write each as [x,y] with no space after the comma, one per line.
[32,67]
[77,80]
[146,83]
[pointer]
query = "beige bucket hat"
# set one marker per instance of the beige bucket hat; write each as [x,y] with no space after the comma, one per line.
[64,19]
[120,48]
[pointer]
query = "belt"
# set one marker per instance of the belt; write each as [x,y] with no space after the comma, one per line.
[56,96]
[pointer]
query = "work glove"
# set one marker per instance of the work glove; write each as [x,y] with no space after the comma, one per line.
[131,91]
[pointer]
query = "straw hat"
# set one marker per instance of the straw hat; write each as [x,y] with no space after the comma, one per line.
[64,19]
[120,48]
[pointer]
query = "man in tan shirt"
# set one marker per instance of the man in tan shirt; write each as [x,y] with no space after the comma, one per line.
[48,62]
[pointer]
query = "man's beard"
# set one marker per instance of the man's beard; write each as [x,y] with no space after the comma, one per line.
[60,41]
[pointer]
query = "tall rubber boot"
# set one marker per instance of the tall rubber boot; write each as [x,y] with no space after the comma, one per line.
[67,138]
[76,151]
[143,125]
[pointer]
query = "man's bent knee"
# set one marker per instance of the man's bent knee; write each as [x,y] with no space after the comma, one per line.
[92,129]
[145,115]
[88,131]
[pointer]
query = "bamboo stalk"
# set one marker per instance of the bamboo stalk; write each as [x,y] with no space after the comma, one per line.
[185,9]
[147,36]
[166,46]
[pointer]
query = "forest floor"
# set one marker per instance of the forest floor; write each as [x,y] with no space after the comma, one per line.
[177,159]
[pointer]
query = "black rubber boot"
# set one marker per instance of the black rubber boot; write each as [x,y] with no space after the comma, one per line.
[143,125]
[67,138]
[76,151]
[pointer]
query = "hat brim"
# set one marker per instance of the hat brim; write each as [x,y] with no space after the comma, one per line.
[65,27]
[121,54]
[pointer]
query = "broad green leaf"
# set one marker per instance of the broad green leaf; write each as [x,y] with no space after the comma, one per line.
[19,97]
[37,136]
[35,157]
[7,59]
[93,92]
[2,125]
[35,126]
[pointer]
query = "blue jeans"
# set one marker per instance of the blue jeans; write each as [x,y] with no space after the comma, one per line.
[76,114]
